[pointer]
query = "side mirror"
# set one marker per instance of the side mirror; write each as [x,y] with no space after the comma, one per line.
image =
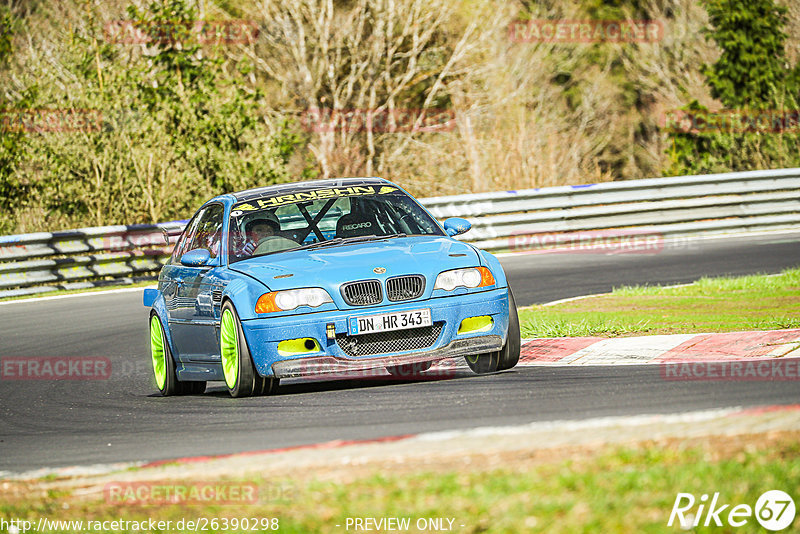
[149,297]
[196,258]
[456,226]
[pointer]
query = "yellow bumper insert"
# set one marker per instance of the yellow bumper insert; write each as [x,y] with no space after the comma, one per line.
[303,345]
[482,323]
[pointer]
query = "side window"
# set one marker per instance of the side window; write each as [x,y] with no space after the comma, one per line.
[183,240]
[208,232]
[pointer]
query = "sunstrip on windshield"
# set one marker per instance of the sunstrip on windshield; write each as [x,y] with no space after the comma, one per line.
[318,194]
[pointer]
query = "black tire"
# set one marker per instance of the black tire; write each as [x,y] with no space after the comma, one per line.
[247,380]
[483,363]
[265,385]
[171,385]
[508,356]
[409,370]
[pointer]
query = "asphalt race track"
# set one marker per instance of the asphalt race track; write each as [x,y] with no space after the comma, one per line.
[62,423]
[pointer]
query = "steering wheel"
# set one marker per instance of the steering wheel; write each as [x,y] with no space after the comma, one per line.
[273,243]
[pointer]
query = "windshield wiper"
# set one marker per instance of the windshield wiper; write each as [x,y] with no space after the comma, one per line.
[371,237]
[329,242]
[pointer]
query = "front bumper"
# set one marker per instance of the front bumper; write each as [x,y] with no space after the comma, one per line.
[264,334]
[319,365]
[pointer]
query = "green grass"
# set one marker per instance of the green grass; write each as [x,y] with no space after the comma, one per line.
[725,304]
[610,488]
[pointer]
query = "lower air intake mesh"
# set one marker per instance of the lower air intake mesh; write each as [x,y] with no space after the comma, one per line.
[393,341]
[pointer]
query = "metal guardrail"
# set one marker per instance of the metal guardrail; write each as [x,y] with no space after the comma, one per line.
[83,258]
[511,220]
[684,205]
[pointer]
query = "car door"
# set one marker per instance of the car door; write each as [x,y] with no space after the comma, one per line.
[173,274]
[195,315]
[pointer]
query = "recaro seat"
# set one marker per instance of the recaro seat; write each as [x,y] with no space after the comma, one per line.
[356,225]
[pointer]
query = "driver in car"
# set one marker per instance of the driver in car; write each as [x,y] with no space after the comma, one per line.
[257,230]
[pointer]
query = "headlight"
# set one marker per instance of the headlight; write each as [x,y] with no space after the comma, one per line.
[294,298]
[472,277]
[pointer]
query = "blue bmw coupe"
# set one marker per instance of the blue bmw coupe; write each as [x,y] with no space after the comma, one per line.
[324,277]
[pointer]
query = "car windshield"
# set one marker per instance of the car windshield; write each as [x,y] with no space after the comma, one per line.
[324,217]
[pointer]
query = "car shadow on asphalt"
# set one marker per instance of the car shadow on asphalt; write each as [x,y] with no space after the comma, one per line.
[295,386]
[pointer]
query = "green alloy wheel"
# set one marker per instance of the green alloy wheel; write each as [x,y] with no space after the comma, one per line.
[164,366]
[229,348]
[157,353]
[241,378]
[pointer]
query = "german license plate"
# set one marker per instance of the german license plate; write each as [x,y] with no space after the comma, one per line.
[386,322]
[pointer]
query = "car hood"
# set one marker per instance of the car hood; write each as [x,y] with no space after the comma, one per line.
[330,267]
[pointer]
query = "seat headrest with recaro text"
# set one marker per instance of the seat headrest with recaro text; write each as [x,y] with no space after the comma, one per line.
[356,225]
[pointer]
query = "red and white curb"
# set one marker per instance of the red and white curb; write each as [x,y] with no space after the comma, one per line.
[756,346]
[677,348]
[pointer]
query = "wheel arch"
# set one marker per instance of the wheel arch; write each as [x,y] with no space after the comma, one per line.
[490,260]
[243,295]
[159,309]
[228,299]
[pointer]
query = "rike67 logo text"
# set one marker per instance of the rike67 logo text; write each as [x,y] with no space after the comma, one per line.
[774,510]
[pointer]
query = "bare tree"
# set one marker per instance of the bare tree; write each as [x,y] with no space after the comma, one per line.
[377,69]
